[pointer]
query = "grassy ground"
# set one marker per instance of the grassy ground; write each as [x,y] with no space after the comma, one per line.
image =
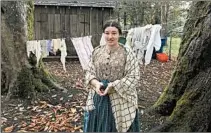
[175,45]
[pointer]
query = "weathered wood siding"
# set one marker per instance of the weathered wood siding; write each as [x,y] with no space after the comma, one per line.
[66,22]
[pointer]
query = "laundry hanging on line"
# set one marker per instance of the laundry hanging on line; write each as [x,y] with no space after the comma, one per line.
[35,48]
[42,48]
[154,42]
[63,49]
[142,39]
[84,48]
[102,39]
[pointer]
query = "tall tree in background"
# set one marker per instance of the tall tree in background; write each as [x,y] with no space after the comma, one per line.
[19,74]
[164,15]
[139,13]
[177,15]
[187,98]
[171,15]
[135,12]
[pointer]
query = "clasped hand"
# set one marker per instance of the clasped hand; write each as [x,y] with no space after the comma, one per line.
[102,92]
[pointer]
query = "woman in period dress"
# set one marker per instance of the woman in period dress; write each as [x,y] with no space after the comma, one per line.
[112,78]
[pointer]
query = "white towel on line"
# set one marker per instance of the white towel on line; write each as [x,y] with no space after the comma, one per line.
[81,49]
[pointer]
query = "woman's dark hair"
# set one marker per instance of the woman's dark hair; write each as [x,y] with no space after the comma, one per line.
[112,23]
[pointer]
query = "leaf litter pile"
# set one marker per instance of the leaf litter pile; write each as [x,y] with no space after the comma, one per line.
[62,111]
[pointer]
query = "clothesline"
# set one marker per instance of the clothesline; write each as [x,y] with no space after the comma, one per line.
[42,48]
[82,45]
[70,37]
[142,39]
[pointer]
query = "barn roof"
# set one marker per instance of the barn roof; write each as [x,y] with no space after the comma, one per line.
[80,3]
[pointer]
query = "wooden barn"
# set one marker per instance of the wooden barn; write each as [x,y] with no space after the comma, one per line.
[66,19]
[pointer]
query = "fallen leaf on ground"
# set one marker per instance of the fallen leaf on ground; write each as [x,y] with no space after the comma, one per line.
[76,128]
[73,110]
[9,129]
[21,131]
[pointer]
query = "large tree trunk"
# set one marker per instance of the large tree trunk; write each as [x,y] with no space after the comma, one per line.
[187,98]
[13,35]
[19,75]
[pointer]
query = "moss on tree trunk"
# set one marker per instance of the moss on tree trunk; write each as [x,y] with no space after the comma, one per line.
[30,19]
[19,73]
[187,98]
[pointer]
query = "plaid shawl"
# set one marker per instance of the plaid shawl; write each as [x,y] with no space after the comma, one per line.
[124,97]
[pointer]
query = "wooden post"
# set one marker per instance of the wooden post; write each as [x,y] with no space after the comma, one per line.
[90,21]
[170,47]
[125,18]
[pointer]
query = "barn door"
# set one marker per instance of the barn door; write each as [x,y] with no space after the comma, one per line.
[73,25]
[77,25]
[81,25]
[57,26]
[54,26]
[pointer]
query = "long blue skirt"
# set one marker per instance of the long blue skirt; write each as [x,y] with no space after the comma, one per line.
[101,119]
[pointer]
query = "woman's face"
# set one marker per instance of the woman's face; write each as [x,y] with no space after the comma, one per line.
[111,36]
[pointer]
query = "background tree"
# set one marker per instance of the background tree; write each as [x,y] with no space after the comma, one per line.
[164,16]
[187,98]
[131,13]
[176,16]
[172,14]
[20,76]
